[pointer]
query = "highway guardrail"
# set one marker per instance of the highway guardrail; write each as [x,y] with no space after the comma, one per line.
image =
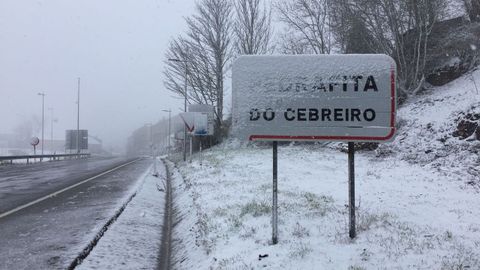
[10,159]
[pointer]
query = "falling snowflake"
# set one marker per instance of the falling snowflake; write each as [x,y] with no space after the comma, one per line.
[473,47]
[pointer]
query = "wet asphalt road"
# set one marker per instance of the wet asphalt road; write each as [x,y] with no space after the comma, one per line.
[51,233]
[20,184]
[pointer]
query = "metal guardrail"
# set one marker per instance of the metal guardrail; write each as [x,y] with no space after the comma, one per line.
[41,157]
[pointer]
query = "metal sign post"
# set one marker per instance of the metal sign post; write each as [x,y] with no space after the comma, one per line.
[154,158]
[351,189]
[191,146]
[34,142]
[275,198]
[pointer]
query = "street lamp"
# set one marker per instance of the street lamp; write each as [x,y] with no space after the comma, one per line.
[150,140]
[43,118]
[152,151]
[185,106]
[78,116]
[51,129]
[169,127]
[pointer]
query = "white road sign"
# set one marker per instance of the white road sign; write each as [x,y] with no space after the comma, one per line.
[196,123]
[34,141]
[209,109]
[314,97]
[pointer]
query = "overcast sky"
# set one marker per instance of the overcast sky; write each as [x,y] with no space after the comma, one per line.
[116,47]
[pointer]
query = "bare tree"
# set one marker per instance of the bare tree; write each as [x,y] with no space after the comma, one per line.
[410,23]
[194,66]
[204,53]
[26,129]
[350,32]
[399,28]
[310,19]
[252,28]
[174,72]
[291,43]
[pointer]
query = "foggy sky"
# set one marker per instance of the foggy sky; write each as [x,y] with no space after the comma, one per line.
[117,49]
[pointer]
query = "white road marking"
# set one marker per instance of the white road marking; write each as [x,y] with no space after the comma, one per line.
[2,215]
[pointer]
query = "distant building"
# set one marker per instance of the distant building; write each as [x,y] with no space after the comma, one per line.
[11,144]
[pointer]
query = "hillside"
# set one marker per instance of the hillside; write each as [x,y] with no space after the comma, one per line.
[417,198]
[431,132]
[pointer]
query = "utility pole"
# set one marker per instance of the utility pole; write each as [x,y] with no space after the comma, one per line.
[151,139]
[78,116]
[43,118]
[152,151]
[51,130]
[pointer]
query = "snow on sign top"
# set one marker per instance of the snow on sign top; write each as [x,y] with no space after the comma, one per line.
[314,97]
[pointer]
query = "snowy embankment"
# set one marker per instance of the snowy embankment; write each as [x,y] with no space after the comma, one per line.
[416,206]
[133,240]
[426,125]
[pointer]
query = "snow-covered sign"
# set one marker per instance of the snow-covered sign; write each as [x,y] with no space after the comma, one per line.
[204,108]
[314,97]
[196,123]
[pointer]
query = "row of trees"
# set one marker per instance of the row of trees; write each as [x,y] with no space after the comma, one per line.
[221,29]
[218,31]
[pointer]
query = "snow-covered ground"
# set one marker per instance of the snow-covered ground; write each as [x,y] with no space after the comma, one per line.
[133,240]
[417,199]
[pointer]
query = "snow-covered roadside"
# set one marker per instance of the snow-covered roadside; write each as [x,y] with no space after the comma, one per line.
[133,240]
[416,206]
[187,249]
[408,217]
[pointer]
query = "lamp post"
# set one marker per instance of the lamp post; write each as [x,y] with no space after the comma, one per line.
[152,151]
[185,106]
[169,127]
[51,129]
[150,141]
[78,116]
[43,118]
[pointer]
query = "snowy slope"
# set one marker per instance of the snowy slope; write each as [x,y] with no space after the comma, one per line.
[426,127]
[416,208]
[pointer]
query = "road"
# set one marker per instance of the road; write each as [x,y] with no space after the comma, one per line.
[50,233]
